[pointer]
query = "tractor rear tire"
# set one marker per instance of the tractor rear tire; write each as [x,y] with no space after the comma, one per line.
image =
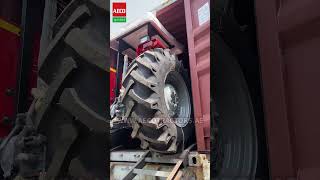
[70,105]
[235,148]
[81,39]
[157,101]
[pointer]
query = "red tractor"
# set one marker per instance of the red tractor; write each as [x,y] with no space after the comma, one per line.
[152,79]
[153,90]
[53,116]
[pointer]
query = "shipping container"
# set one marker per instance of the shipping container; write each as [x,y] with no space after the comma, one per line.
[189,23]
[288,40]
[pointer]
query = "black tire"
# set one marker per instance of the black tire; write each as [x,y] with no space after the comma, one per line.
[161,127]
[236,141]
[71,105]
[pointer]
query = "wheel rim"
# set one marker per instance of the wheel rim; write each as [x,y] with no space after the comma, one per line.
[177,99]
[171,99]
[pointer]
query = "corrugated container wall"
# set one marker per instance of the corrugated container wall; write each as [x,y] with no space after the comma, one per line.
[189,22]
[197,14]
[289,45]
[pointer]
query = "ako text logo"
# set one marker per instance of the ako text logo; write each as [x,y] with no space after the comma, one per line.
[119,12]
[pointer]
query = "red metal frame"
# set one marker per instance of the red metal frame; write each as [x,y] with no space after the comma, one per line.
[150,44]
[9,51]
[10,45]
[10,17]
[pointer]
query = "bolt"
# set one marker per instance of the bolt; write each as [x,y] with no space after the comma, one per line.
[6,120]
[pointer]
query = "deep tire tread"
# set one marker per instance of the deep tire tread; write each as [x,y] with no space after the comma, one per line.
[143,84]
[78,18]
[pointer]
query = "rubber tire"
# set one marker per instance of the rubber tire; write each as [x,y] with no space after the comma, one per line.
[237,132]
[81,24]
[143,96]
